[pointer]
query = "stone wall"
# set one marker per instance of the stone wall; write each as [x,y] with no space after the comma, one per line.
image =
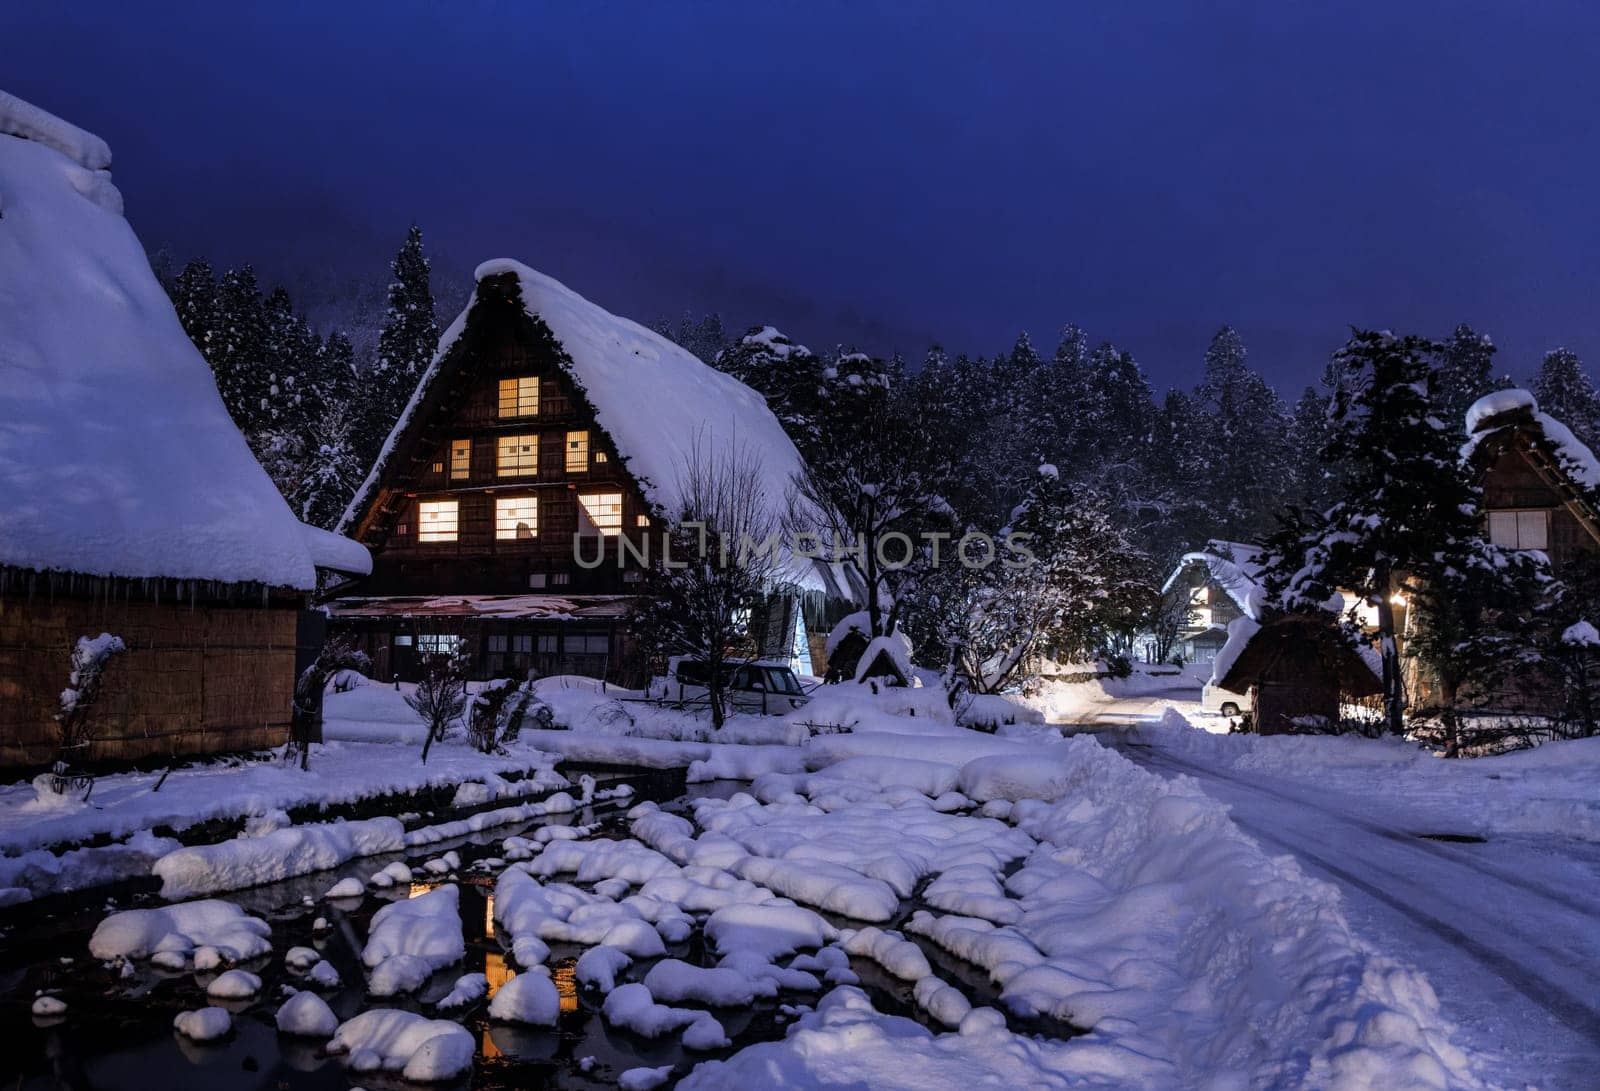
[195,679]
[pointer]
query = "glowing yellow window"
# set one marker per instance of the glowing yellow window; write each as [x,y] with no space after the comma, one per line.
[517,456]
[577,452]
[516,517]
[519,397]
[436,521]
[460,459]
[601,511]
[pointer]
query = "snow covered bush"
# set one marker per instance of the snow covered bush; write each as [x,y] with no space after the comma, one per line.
[90,658]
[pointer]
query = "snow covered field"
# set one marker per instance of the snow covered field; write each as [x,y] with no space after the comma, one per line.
[927,903]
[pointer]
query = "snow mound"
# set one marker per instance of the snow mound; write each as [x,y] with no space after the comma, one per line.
[1015,776]
[117,457]
[307,1015]
[412,939]
[179,929]
[389,1040]
[205,1025]
[529,998]
[282,854]
[770,931]
[234,985]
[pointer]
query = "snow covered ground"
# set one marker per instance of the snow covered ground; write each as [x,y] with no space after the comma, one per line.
[1507,930]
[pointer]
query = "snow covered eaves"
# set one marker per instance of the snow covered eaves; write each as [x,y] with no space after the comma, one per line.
[503,607]
[335,552]
[1241,631]
[117,457]
[1507,409]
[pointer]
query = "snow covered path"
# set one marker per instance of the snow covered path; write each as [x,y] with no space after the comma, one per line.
[1508,930]
[1510,944]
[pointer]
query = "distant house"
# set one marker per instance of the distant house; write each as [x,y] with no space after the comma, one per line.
[1297,671]
[545,447]
[129,502]
[1541,485]
[1208,589]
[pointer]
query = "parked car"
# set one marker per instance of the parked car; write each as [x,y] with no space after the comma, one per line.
[762,685]
[1216,699]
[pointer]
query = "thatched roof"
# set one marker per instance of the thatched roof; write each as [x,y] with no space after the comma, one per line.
[1307,644]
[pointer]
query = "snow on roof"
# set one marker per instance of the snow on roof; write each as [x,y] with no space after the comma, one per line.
[656,400]
[1235,567]
[117,457]
[1509,408]
[1240,632]
[336,552]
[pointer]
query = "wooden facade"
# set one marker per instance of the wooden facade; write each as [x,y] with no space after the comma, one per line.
[202,672]
[1298,673]
[1522,478]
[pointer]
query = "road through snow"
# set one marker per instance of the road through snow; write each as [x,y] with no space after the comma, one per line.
[1508,931]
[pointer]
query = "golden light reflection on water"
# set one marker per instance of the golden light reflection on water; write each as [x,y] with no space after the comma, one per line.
[488,916]
[419,889]
[497,970]
[565,975]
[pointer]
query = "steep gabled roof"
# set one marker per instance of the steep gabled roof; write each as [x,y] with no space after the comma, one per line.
[1562,461]
[1235,567]
[656,400]
[117,457]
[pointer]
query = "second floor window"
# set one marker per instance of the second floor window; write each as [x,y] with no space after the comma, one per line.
[601,513]
[436,521]
[517,456]
[1520,529]
[460,459]
[577,452]
[519,397]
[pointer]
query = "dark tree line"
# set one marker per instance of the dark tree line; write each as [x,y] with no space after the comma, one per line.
[314,411]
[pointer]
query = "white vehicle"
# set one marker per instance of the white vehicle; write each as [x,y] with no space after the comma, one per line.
[1228,703]
[761,685]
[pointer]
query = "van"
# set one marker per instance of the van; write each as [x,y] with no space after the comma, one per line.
[760,686]
[1214,698]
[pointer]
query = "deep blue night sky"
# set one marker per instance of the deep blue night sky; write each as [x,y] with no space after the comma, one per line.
[884,174]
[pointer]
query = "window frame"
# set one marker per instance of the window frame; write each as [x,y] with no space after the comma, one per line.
[524,447]
[529,504]
[1518,528]
[430,511]
[519,401]
[460,459]
[581,449]
[588,514]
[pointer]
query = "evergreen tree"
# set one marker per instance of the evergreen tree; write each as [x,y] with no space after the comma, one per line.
[1407,522]
[1564,391]
[788,375]
[1249,426]
[194,297]
[1311,482]
[1465,375]
[705,336]
[236,349]
[406,345]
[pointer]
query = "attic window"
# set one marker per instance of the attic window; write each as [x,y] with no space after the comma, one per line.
[517,456]
[519,397]
[516,517]
[436,521]
[460,459]
[641,520]
[577,452]
[1520,529]
[602,513]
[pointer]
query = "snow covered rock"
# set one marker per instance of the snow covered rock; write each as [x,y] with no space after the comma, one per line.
[420,1049]
[644,1079]
[633,1008]
[412,939]
[179,929]
[771,931]
[234,985]
[1015,776]
[468,990]
[48,1007]
[598,967]
[673,981]
[307,1015]
[298,959]
[284,854]
[529,998]
[204,1025]
[348,887]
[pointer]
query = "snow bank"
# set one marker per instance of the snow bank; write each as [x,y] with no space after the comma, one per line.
[128,465]
[1015,776]
[283,854]
[418,1048]
[180,929]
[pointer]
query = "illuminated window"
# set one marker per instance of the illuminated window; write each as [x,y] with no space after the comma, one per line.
[602,512]
[436,521]
[1520,529]
[519,397]
[601,456]
[560,579]
[439,643]
[517,456]
[642,520]
[516,517]
[577,452]
[460,459]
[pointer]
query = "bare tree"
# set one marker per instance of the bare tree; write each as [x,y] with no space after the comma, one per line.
[338,653]
[724,556]
[440,695]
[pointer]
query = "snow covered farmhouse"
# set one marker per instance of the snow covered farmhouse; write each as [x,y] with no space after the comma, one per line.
[509,509]
[1213,587]
[130,505]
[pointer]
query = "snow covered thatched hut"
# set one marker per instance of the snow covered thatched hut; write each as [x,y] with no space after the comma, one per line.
[129,502]
[1541,484]
[511,506]
[1297,671]
[1208,590]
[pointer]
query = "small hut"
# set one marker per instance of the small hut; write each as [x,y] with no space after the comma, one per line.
[1297,672]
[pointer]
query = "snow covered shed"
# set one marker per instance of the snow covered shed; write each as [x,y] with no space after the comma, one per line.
[544,449]
[1297,671]
[1541,484]
[129,502]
